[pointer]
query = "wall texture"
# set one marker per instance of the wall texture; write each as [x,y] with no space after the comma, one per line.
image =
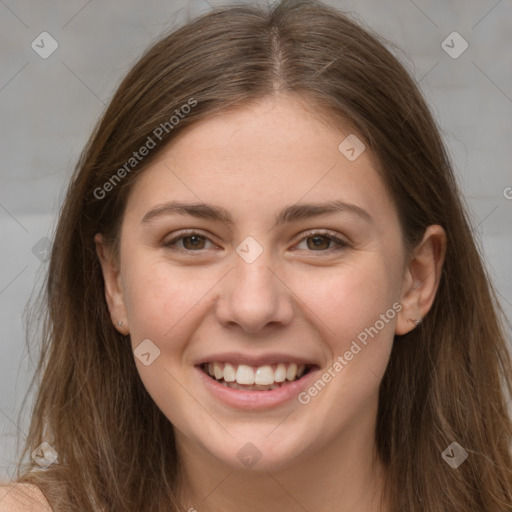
[50,101]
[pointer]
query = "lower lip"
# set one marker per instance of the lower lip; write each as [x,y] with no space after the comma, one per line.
[257,399]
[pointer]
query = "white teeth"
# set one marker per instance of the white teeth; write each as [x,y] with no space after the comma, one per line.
[264,375]
[245,374]
[217,371]
[280,375]
[229,373]
[254,378]
[291,372]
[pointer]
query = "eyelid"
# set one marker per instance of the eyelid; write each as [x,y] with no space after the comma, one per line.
[341,243]
[322,231]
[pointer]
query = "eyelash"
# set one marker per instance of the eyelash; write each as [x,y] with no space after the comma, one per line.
[342,244]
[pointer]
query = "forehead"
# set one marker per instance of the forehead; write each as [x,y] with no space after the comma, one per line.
[273,152]
[275,127]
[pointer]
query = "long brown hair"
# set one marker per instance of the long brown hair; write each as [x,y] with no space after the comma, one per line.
[447,381]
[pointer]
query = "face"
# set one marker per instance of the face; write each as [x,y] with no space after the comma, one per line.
[268,288]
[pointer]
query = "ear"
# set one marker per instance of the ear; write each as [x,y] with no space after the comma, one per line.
[113,285]
[421,279]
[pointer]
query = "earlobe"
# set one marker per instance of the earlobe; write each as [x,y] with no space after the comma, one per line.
[421,280]
[113,286]
[409,304]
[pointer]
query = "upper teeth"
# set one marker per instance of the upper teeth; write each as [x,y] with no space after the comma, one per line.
[263,375]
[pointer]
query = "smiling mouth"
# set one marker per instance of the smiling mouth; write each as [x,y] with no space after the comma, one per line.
[250,378]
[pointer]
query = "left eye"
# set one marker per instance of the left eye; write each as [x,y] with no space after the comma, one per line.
[192,241]
[321,239]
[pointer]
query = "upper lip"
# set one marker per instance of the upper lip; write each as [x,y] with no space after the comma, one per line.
[255,360]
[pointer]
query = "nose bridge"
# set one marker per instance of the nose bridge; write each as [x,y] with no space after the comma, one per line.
[252,295]
[255,276]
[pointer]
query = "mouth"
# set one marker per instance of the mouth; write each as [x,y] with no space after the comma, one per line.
[267,377]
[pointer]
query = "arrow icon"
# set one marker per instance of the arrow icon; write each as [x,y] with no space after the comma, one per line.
[249,249]
[454,455]
[42,249]
[351,147]
[44,455]
[249,455]
[146,352]
[44,45]
[454,45]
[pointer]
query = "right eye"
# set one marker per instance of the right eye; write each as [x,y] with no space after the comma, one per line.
[191,241]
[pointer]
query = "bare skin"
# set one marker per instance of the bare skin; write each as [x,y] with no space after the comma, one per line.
[302,296]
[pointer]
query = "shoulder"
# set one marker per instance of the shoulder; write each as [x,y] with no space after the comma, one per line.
[22,497]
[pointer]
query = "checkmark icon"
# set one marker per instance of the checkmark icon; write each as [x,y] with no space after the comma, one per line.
[146,352]
[351,147]
[454,45]
[44,45]
[44,455]
[249,455]
[249,249]
[41,249]
[454,455]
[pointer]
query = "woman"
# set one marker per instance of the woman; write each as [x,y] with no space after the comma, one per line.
[264,293]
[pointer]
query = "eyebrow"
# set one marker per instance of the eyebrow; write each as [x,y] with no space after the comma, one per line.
[290,213]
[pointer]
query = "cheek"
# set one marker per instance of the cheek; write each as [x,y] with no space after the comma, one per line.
[159,297]
[161,302]
[351,298]
[358,307]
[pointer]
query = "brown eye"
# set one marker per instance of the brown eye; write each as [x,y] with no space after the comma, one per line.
[319,242]
[190,242]
[322,242]
[315,242]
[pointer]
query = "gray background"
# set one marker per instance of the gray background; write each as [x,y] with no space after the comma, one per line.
[49,106]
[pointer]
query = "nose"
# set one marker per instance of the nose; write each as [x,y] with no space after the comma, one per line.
[254,295]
